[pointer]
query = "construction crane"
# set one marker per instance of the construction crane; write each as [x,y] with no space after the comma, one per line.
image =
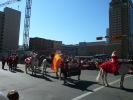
[27,24]
[8,2]
[26,20]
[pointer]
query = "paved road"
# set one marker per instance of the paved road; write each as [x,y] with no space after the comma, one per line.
[50,88]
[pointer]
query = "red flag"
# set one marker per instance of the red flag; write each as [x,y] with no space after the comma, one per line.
[56,61]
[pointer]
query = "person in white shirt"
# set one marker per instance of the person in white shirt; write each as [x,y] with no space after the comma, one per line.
[3,97]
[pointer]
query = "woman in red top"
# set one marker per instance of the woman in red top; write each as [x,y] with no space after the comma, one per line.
[111,66]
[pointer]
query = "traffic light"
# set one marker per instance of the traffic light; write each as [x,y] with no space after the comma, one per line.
[99,38]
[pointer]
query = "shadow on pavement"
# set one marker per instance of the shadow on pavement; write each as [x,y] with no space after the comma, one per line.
[5,69]
[19,70]
[81,85]
[128,90]
[113,87]
[125,89]
[41,77]
[54,77]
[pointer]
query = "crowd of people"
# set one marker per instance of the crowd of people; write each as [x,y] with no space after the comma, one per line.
[111,66]
[11,61]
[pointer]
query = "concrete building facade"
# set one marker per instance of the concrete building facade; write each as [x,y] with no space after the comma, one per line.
[121,23]
[93,48]
[71,50]
[9,29]
[44,46]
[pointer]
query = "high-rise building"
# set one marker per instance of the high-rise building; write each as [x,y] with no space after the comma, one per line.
[9,29]
[121,23]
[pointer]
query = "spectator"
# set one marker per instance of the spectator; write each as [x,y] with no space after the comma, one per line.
[3,62]
[13,95]
[3,97]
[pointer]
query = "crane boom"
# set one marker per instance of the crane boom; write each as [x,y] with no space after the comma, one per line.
[27,24]
[26,21]
[8,2]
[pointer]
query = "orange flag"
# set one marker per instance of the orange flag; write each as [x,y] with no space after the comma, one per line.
[56,61]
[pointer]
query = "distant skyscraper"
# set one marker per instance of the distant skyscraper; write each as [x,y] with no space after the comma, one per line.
[9,29]
[107,34]
[121,23]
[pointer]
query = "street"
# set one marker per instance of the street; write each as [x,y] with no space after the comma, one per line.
[50,88]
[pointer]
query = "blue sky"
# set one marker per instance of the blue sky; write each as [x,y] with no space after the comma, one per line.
[69,21]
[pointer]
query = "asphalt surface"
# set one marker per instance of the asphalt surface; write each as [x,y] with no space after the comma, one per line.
[50,88]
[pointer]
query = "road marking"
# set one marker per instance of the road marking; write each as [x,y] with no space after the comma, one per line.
[82,96]
[97,89]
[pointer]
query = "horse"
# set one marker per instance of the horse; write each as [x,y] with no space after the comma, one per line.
[123,70]
[45,64]
[31,63]
[70,68]
[28,66]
